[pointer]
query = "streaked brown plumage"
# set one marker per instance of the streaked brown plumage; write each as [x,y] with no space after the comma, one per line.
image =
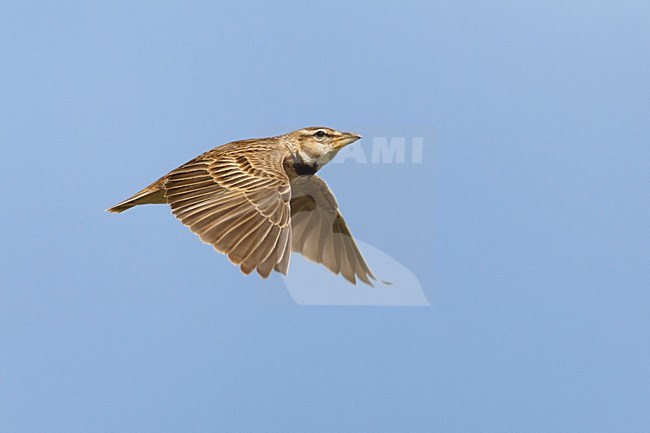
[258,200]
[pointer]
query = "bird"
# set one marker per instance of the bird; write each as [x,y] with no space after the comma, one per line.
[257,200]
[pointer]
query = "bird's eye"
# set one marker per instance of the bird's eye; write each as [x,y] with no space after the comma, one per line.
[319,134]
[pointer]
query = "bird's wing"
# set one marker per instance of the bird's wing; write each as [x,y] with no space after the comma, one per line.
[238,203]
[320,233]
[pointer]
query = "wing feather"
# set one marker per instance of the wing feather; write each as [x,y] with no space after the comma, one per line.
[238,204]
[320,233]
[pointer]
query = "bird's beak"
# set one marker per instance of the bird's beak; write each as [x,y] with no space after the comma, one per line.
[345,139]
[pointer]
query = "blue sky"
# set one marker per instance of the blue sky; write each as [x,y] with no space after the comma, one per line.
[527,223]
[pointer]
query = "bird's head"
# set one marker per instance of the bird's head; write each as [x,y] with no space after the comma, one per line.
[316,146]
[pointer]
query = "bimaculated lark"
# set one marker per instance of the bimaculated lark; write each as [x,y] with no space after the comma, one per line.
[258,200]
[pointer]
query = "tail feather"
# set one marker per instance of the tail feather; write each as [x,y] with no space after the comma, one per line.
[146,196]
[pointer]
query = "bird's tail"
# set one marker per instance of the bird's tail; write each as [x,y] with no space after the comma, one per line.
[146,196]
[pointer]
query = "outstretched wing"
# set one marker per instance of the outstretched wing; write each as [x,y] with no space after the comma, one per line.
[320,232]
[238,203]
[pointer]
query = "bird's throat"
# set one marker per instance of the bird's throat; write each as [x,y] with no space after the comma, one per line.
[304,165]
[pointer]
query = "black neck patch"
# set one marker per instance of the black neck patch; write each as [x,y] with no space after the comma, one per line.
[303,169]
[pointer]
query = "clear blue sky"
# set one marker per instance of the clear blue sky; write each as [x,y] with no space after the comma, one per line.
[527,224]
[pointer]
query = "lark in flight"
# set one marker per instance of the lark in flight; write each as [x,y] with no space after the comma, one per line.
[258,200]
